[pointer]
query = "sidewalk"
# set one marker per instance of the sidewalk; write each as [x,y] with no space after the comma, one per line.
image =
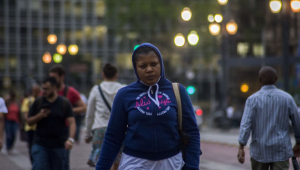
[227,137]
[19,159]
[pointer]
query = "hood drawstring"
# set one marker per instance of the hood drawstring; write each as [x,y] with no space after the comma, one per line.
[156,101]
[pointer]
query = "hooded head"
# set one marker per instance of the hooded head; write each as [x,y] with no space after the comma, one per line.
[148,64]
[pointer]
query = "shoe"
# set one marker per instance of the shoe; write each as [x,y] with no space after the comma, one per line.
[91,163]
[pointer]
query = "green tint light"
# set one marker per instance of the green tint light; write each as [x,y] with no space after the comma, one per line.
[135,47]
[57,58]
[190,89]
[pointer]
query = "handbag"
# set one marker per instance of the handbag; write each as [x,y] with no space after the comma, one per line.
[184,138]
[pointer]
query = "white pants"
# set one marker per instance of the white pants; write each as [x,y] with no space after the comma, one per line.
[130,163]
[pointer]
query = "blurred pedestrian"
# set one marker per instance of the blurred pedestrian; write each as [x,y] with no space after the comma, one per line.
[98,112]
[3,111]
[50,113]
[26,104]
[267,114]
[12,120]
[78,119]
[69,92]
[144,115]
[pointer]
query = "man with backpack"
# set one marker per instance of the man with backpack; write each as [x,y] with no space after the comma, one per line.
[98,111]
[69,92]
[50,113]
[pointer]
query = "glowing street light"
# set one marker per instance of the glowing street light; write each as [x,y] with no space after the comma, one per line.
[73,49]
[222,2]
[52,38]
[57,58]
[210,18]
[231,27]
[193,38]
[295,5]
[275,6]
[47,57]
[186,14]
[61,49]
[244,88]
[179,40]
[218,18]
[214,29]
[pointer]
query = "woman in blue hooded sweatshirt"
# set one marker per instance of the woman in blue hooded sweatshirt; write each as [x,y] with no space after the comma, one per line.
[144,117]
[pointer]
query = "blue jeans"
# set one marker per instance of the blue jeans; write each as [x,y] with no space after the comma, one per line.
[67,159]
[11,128]
[47,158]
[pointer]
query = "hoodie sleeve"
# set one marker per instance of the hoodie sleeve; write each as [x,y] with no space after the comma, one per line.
[90,112]
[189,126]
[114,134]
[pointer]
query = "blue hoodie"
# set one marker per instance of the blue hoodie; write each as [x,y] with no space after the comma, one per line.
[152,131]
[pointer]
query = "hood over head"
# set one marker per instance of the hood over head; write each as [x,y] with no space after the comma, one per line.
[162,71]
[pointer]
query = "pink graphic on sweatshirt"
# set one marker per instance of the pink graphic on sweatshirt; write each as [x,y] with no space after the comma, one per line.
[145,105]
[142,102]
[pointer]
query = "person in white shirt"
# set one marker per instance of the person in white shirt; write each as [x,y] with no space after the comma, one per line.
[99,110]
[3,110]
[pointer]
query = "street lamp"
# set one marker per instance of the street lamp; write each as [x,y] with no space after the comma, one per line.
[179,40]
[295,5]
[275,6]
[231,27]
[214,28]
[193,38]
[218,18]
[47,57]
[210,18]
[61,49]
[222,2]
[52,38]
[73,49]
[186,14]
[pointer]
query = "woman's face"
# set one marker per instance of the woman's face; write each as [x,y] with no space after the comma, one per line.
[148,68]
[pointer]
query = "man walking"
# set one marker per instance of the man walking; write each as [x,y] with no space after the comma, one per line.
[267,114]
[51,138]
[69,92]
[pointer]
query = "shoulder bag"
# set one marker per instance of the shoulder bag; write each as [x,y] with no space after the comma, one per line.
[184,138]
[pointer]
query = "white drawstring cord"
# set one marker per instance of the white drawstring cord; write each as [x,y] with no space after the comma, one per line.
[156,101]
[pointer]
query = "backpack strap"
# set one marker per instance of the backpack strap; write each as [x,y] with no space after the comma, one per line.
[105,101]
[66,91]
[178,100]
[65,104]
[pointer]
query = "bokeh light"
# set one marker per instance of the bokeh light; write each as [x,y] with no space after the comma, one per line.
[179,40]
[186,14]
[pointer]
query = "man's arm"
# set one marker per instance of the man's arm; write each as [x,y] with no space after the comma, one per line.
[295,119]
[1,129]
[36,118]
[72,130]
[90,115]
[245,129]
[80,107]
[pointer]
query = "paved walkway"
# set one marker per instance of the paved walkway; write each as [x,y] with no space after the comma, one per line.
[19,160]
